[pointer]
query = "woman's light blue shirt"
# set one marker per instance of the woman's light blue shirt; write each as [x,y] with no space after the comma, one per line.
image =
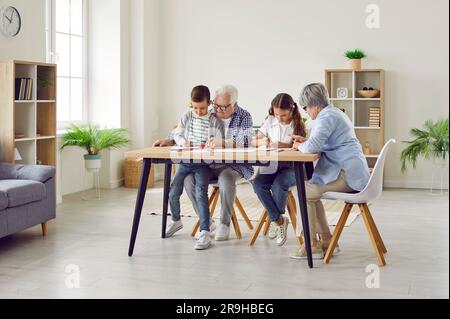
[334,136]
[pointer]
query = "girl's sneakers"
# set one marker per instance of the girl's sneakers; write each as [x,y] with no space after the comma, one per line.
[281,231]
[272,234]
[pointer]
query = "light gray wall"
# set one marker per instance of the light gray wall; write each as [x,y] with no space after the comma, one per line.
[265,47]
[29,44]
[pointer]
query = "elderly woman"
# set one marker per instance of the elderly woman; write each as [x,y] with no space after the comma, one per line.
[341,168]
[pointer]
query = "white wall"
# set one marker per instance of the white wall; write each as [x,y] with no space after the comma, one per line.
[104,62]
[29,44]
[265,47]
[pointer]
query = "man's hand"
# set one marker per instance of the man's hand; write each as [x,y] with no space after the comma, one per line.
[164,143]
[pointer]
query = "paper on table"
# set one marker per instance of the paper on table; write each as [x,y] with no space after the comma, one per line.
[185,148]
[273,149]
[228,150]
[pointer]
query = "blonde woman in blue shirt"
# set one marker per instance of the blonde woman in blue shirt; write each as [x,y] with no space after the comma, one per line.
[341,168]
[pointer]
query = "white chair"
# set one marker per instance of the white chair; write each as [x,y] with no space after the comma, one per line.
[372,192]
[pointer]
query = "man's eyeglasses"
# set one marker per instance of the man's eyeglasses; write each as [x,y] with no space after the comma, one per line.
[223,108]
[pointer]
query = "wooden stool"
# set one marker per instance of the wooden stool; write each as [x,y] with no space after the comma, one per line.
[213,199]
[292,210]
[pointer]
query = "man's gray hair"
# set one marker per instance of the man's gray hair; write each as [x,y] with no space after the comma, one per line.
[229,90]
[314,94]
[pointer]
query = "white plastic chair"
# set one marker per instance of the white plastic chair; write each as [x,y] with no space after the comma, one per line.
[372,192]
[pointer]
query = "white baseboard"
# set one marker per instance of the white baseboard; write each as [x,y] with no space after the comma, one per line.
[116,184]
[413,184]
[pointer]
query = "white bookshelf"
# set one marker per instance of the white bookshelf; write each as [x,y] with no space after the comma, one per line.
[357,107]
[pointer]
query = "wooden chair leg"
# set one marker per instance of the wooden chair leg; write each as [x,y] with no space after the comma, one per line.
[292,210]
[267,226]
[373,239]
[374,228]
[212,206]
[257,230]
[243,213]
[337,232]
[44,229]
[236,227]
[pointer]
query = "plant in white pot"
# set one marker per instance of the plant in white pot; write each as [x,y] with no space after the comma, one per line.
[355,58]
[94,139]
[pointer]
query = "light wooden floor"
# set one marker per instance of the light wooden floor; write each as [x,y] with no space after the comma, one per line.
[94,236]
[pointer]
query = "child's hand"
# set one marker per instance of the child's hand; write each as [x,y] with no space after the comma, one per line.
[299,139]
[265,141]
[296,146]
[186,143]
[214,143]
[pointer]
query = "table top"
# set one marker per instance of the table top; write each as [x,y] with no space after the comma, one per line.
[243,155]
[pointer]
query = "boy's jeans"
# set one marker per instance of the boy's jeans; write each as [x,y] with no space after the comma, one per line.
[272,191]
[201,175]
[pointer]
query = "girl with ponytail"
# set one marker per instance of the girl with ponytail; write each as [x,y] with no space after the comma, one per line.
[284,122]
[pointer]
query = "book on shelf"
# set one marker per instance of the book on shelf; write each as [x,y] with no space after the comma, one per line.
[23,89]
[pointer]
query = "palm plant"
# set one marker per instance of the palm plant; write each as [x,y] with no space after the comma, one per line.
[430,142]
[94,139]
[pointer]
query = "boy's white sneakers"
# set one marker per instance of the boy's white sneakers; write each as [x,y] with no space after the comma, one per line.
[204,241]
[173,227]
[212,228]
[223,232]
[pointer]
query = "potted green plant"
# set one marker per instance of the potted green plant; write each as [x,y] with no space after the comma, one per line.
[355,57]
[43,91]
[431,142]
[94,140]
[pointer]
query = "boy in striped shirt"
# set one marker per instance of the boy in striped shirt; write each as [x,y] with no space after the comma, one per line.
[195,129]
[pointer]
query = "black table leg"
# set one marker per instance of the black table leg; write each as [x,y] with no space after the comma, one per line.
[167,178]
[309,170]
[139,202]
[300,177]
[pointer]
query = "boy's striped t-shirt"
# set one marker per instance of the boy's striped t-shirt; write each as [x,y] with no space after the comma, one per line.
[198,133]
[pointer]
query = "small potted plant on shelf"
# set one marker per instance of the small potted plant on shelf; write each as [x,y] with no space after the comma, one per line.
[430,143]
[94,140]
[43,91]
[355,57]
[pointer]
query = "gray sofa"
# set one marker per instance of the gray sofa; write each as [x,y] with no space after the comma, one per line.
[27,197]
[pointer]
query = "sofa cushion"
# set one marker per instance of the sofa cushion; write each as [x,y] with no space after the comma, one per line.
[22,192]
[3,201]
[38,173]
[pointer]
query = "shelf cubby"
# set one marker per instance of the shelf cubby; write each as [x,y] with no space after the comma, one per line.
[340,79]
[27,151]
[46,83]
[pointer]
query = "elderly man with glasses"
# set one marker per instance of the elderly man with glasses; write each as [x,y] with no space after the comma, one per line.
[238,126]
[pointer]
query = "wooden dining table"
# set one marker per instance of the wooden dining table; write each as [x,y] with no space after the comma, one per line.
[302,164]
